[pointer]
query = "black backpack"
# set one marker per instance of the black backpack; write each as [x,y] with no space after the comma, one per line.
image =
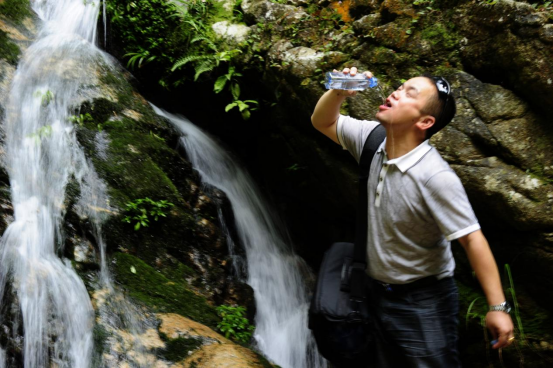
[339,313]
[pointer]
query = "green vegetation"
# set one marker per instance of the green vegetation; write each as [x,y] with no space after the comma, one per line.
[16,10]
[41,133]
[161,294]
[530,324]
[174,43]
[162,31]
[9,51]
[140,211]
[440,35]
[479,311]
[81,119]
[178,349]
[46,97]
[234,325]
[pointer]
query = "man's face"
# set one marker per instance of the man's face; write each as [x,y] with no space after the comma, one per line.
[404,106]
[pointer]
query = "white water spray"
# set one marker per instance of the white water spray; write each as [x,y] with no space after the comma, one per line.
[42,154]
[273,269]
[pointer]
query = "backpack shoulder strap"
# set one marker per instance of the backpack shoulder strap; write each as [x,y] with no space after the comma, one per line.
[373,141]
[375,138]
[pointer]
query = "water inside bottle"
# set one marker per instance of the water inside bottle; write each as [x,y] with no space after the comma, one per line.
[346,83]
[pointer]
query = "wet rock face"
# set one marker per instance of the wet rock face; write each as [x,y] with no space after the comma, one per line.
[509,43]
[511,154]
[267,11]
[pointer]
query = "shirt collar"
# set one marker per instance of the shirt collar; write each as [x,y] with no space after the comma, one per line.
[409,159]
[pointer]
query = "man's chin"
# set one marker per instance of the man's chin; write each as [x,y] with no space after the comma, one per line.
[381,119]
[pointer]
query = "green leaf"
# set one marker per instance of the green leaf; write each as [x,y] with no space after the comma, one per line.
[133,270]
[137,226]
[246,114]
[235,90]
[220,84]
[230,106]
[241,105]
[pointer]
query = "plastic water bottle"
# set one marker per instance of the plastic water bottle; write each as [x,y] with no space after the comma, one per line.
[358,82]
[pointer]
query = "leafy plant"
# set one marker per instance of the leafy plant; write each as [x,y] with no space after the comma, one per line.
[157,32]
[234,324]
[140,211]
[42,132]
[545,6]
[243,106]
[232,79]
[142,56]
[81,119]
[46,97]
[207,62]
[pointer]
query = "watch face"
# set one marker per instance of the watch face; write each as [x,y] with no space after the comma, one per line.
[507,307]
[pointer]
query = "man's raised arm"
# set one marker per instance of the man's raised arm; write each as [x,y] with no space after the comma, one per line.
[327,111]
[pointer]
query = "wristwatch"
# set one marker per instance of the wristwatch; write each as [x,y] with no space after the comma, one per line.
[503,307]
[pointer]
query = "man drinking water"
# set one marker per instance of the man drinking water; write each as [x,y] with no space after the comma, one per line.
[417,206]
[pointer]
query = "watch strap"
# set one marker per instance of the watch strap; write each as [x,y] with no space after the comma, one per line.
[503,307]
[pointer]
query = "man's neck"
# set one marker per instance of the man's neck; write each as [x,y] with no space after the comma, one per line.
[398,145]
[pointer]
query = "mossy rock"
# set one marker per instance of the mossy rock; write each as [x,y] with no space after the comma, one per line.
[178,349]
[441,37]
[161,294]
[138,163]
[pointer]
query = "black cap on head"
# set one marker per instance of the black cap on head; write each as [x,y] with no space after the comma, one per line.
[443,108]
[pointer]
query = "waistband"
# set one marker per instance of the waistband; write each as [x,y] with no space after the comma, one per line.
[400,288]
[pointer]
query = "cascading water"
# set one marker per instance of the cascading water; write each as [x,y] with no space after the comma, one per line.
[273,269]
[42,155]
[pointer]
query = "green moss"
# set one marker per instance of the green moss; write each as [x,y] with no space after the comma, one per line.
[178,349]
[383,55]
[100,335]
[139,163]
[147,285]
[134,155]
[440,35]
[9,51]
[15,10]
[177,272]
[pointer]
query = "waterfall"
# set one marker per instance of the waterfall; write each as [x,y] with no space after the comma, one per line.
[42,156]
[272,267]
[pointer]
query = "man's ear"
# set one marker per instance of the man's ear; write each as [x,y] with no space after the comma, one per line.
[426,122]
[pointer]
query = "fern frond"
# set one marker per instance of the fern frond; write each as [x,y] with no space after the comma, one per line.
[187,59]
[209,43]
[202,68]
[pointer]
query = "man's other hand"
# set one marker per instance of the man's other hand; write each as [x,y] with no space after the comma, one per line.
[501,327]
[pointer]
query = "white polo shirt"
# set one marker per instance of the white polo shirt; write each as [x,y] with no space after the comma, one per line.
[417,205]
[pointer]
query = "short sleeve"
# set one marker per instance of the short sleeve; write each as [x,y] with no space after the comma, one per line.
[448,202]
[352,134]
